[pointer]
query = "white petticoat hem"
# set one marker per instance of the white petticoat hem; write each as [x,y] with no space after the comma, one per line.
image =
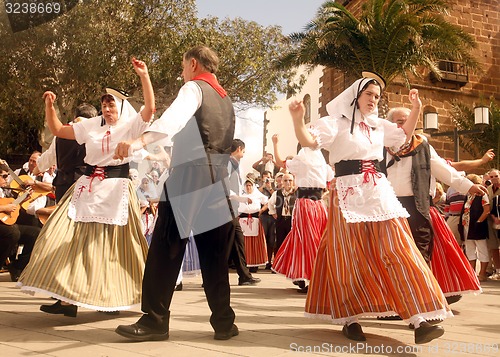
[455,293]
[432,315]
[292,279]
[32,291]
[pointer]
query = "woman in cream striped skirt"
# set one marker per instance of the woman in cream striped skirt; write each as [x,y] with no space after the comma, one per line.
[91,252]
[367,263]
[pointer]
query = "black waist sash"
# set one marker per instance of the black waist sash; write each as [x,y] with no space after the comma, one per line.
[120,171]
[354,167]
[246,215]
[313,193]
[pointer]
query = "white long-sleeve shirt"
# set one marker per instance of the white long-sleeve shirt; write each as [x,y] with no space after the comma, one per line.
[399,175]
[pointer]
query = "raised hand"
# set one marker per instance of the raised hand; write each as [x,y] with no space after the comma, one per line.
[414,98]
[297,110]
[488,156]
[49,98]
[140,67]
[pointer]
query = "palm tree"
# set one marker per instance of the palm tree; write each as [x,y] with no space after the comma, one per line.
[390,37]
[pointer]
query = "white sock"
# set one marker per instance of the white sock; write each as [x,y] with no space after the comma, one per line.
[416,320]
[352,320]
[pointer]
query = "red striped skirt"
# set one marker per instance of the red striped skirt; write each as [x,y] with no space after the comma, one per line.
[370,269]
[255,249]
[449,264]
[296,256]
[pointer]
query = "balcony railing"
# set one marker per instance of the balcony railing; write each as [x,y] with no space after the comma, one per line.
[452,71]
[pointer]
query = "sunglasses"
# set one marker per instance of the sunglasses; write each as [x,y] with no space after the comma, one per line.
[4,176]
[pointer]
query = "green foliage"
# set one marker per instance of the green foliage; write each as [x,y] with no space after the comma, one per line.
[478,144]
[89,48]
[390,37]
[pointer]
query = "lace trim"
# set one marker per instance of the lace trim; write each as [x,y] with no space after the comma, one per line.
[30,290]
[432,315]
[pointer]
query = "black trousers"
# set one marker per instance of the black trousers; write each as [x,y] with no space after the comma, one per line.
[237,254]
[421,228]
[11,237]
[163,264]
[283,227]
[269,225]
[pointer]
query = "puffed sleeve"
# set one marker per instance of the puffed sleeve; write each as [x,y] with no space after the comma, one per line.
[325,130]
[82,129]
[394,136]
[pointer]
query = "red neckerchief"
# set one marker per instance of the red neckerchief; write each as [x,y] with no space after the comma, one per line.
[210,79]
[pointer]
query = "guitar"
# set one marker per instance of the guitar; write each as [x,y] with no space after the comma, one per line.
[44,214]
[20,182]
[11,218]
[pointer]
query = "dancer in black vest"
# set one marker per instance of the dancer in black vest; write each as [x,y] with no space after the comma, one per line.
[281,207]
[195,199]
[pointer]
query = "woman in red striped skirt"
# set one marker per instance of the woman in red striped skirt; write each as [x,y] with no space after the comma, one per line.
[367,264]
[296,256]
[255,241]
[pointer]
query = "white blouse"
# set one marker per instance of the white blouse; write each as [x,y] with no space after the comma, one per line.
[96,199]
[365,197]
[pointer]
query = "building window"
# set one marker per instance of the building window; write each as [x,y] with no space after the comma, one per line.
[307,105]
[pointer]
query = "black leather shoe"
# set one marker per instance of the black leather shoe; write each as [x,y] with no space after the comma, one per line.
[141,333]
[426,333]
[14,274]
[253,269]
[251,281]
[432,322]
[268,266]
[354,332]
[453,299]
[300,283]
[178,287]
[304,290]
[58,308]
[228,334]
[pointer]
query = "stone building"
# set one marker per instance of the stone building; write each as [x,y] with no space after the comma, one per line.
[480,18]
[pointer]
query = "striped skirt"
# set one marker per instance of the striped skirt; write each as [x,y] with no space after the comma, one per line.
[92,265]
[296,256]
[191,264]
[371,269]
[449,264]
[256,249]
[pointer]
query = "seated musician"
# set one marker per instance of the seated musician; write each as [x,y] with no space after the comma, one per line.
[13,235]
[42,187]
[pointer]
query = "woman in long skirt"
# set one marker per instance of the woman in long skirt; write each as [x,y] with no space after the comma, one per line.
[367,264]
[92,251]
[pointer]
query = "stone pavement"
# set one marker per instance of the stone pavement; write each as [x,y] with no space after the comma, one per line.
[270,317]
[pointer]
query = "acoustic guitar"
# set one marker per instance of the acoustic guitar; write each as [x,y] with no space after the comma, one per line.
[11,218]
[20,182]
[44,215]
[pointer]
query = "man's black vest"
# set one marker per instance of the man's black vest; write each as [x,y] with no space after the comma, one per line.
[280,200]
[420,176]
[70,165]
[198,183]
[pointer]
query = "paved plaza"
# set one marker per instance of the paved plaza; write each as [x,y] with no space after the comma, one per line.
[270,317]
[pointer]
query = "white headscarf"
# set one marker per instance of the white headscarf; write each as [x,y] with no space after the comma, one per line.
[345,104]
[125,109]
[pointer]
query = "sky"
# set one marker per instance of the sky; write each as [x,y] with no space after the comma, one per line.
[292,16]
